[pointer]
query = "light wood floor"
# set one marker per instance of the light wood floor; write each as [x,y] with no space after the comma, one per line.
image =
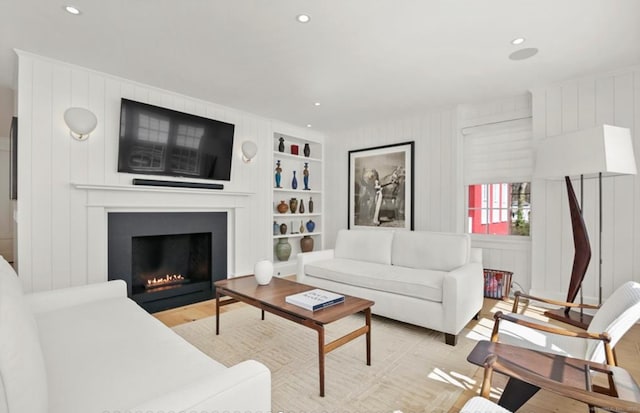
[627,350]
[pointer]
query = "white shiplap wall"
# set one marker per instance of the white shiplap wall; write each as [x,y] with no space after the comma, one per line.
[510,253]
[55,242]
[435,172]
[612,98]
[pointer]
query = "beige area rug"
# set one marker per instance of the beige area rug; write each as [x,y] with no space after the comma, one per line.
[412,369]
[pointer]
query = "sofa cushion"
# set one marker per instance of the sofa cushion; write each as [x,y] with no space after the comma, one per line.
[364,245]
[423,284]
[21,361]
[111,355]
[430,250]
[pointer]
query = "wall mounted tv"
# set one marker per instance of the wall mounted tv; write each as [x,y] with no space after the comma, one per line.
[160,141]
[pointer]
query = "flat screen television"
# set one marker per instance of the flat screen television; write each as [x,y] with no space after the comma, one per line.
[160,141]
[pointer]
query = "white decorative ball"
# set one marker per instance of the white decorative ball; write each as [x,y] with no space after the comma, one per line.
[263,271]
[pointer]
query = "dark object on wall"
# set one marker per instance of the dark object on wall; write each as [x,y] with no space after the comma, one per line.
[124,227]
[176,184]
[13,159]
[160,141]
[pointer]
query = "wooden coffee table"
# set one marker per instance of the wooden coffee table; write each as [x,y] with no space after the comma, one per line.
[271,298]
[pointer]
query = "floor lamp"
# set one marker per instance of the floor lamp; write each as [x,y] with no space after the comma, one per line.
[597,152]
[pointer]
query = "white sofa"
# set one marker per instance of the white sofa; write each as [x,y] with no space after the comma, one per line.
[430,279]
[91,349]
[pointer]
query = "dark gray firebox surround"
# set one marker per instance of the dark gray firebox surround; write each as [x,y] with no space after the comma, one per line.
[124,226]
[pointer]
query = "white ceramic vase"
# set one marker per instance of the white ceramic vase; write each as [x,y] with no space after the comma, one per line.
[263,271]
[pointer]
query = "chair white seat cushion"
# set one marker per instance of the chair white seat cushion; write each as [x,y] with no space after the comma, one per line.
[478,404]
[521,336]
[419,283]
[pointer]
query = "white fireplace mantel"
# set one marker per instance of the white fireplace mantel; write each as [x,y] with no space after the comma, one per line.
[127,196]
[102,199]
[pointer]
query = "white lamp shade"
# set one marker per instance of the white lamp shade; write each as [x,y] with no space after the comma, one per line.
[81,122]
[249,150]
[603,149]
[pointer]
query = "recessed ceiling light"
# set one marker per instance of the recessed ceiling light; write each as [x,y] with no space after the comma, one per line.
[316,104]
[72,10]
[518,40]
[308,125]
[303,18]
[523,53]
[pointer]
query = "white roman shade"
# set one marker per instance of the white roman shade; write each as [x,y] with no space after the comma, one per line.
[500,152]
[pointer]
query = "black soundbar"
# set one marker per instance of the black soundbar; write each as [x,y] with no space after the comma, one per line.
[176,184]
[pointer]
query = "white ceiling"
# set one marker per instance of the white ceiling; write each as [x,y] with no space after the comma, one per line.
[362,59]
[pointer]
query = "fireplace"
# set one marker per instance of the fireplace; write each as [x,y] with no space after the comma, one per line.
[168,259]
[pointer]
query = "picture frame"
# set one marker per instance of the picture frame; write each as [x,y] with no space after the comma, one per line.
[13,159]
[381,187]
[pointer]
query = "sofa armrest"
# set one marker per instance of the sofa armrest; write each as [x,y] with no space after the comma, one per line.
[462,295]
[307,257]
[244,387]
[475,255]
[45,301]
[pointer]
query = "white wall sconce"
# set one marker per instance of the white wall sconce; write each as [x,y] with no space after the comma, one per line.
[81,122]
[249,151]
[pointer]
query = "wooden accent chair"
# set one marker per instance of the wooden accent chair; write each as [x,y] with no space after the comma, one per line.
[593,399]
[611,321]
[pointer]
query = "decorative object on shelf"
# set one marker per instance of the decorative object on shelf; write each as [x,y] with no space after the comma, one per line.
[263,271]
[310,205]
[306,150]
[301,227]
[294,149]
[311,226]
[283,228]
[283,207]
[281,144]
[301,208]
[81,122]
[278,174]
[305,177]
[294,181]
[306,243]
[249,151]
[383,177]
[293,231]
[293,205]
[283,249]
[276,228]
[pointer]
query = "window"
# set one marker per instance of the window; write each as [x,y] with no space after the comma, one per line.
[507,204]
[497,170]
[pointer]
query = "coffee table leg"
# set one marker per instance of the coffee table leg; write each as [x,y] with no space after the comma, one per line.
[321,358]
[217,311]
[367,315]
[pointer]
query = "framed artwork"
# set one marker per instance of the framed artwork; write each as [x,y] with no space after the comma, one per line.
[381,187]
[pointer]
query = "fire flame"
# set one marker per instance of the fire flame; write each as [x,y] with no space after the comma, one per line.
[169,278]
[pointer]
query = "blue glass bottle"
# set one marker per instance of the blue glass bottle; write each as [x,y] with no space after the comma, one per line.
[294,181]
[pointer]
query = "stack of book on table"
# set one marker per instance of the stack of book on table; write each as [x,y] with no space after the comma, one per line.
[315,299]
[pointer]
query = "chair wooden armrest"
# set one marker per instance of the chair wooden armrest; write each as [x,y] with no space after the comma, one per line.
[519,294]
[603,401]
[554,330]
